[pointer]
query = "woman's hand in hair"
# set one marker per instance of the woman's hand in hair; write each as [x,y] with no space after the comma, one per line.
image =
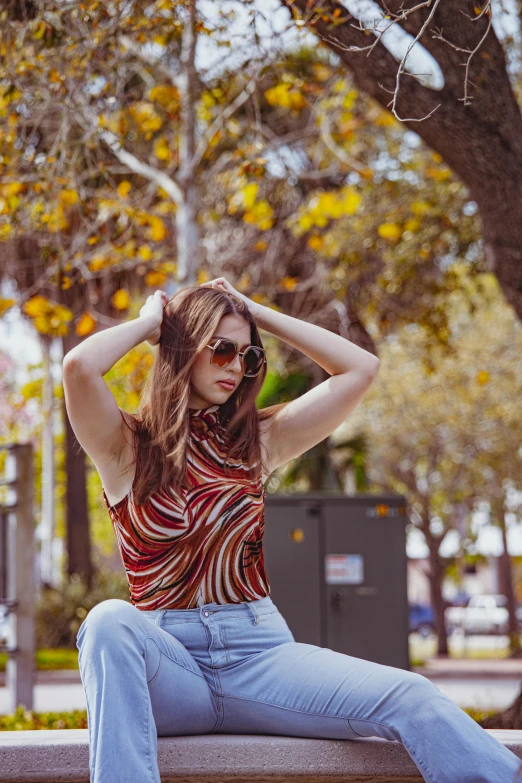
[222,284]
[152,311]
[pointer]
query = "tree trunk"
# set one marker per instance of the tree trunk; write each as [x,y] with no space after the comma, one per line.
[437,601]
[512,717]
[49,569]
[79,554]
[506,584]
[187,226]
[508,719]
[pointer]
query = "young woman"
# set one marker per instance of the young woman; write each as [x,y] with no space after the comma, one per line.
[201,648]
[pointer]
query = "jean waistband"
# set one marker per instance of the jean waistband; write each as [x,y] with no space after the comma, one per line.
[257,607]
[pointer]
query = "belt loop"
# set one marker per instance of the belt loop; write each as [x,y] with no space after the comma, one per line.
[159,618]
[254,611]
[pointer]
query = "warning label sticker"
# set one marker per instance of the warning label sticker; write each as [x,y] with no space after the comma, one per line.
[344,569]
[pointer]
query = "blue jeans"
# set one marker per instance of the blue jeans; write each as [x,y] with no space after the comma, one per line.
[237,669]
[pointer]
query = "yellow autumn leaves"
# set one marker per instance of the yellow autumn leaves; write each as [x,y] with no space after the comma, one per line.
[260,213]
[48,317]
[286,95]
[326,206]
[53,215]
[5,305]
[52,211]
[9,203]
[53,319]
[318,213]
[146,118]
[392,232]
[124,188]
[85,325]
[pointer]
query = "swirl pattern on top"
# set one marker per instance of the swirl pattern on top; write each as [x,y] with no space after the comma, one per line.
[203,544]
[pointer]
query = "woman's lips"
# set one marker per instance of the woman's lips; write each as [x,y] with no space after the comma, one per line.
[228,386]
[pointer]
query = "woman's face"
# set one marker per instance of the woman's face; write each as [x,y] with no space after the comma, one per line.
[205,389]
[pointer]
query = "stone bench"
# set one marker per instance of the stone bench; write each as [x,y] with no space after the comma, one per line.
[57,756]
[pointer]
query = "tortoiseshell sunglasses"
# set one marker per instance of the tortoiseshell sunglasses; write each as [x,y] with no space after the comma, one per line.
[224,351]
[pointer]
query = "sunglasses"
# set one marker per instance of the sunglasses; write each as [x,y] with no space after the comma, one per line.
[224,351]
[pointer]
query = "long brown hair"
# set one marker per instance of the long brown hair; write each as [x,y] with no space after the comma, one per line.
[161,424]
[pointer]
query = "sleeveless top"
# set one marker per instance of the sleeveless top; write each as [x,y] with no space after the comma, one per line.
[203,544]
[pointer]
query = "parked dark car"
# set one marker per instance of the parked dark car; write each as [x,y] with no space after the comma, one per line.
[422,620]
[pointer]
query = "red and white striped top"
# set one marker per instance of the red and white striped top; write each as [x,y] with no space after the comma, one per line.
[204,544]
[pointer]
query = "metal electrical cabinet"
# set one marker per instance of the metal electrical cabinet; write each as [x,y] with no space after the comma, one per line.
[337,570]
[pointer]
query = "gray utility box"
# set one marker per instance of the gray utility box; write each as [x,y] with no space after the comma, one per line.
[337,571]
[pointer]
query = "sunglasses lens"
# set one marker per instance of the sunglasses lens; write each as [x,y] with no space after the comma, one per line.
[224,353]
[253,360]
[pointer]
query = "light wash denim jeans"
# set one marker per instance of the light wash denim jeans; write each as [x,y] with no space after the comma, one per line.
[237,669]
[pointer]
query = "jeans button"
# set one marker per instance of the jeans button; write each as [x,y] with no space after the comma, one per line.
[206,614]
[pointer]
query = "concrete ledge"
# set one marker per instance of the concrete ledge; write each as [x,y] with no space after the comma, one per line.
[58,756]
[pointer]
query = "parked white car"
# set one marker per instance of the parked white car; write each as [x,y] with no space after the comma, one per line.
[483,614]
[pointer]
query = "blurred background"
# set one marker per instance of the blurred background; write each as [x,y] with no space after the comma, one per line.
[336,165]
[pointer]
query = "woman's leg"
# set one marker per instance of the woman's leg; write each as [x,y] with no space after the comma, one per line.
[303,690]
[140,682]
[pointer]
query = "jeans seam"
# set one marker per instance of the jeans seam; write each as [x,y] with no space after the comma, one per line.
[149,711]
[91,765]
[198,674]
[366,720]
[388,726]
[220,710]
[290,709]
[166,622]
[157,671]
[225,642]
[418,761]
[147,728]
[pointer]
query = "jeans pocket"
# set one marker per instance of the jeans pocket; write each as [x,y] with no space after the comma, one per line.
[244,639]
[280,623]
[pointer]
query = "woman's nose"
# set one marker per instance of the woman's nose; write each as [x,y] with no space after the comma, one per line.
[237,364]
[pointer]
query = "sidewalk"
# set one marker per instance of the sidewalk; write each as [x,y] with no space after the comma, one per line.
[58,677]
[489,668]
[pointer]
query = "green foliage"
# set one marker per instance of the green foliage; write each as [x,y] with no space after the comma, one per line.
[59,613]
[26,720]
[50,659]
[278,388]
[479,715]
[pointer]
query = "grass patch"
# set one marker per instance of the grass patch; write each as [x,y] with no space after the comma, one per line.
[50,659]
[479,715]
[480,653]
[26,720]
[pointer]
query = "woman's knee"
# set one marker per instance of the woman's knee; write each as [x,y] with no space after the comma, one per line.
[419,685]
[106,620]
[410,690]
[422,699]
